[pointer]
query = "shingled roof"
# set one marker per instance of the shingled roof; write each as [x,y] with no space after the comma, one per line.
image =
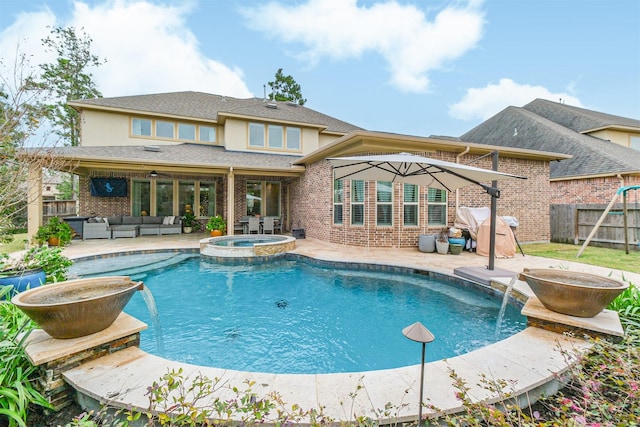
[523,128]
[187,155]
[578,119]
[205,106]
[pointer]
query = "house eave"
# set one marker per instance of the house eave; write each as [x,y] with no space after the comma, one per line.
[361,142]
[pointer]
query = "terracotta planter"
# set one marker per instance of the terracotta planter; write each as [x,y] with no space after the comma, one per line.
[216,233]
[53,241]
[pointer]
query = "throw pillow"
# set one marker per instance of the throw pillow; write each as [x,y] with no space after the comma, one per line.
[166,220]
[106,221]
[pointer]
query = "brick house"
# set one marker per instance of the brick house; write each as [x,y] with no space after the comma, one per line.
[605,151]
[239,157]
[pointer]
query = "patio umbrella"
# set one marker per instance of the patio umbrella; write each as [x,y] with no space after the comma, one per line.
[412,169]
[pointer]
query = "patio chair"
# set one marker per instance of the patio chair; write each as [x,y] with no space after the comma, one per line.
[254,225]
[277,225]
[268,225]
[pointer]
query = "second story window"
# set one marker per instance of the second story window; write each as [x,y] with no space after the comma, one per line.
[186,132]
[164,129]
[141,127]
[207,133]
[256,135]
[293,139]
[275,136]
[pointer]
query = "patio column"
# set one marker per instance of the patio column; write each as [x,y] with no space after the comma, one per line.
[34,200]
[231,205]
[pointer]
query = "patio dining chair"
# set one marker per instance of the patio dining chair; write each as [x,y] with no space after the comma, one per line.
[277,225]
[268,225]
[254,225]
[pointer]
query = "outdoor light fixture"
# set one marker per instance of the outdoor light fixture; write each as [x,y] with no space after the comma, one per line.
[417,332]
[153,174]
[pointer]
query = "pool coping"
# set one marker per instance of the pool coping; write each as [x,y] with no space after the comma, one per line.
[532,360]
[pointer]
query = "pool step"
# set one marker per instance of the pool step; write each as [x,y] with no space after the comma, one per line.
[121,265]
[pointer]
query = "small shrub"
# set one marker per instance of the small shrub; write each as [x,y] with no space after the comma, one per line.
[17,375]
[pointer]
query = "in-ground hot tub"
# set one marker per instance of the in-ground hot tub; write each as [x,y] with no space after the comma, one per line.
[246,246]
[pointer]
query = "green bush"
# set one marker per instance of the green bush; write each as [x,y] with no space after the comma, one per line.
[17,375]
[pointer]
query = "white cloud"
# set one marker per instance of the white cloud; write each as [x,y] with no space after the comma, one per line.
[482,103]
[155,54]
[410,43]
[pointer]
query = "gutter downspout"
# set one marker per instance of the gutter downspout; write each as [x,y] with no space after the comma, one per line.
[466,150]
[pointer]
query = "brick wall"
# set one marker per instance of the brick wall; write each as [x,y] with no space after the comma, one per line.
[109,206]
[527,200]
[590,191]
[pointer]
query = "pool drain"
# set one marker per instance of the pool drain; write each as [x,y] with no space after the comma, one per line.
[282,303]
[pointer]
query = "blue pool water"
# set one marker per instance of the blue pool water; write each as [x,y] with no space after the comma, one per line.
[290,316]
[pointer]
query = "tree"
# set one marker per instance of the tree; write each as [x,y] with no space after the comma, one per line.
[21,115]
[285,88]
[67,79]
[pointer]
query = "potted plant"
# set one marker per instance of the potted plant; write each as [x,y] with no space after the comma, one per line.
[442,242]
[190,222]
[33,268]
[217,225]
[55,232]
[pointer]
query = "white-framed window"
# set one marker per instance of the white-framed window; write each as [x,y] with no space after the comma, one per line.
[357,202]
[177,131]
[384,203]
[276,136]
[186,131]
[410,205]
[437,206]
[256,135]
[207,133]
[338,200]
[140,127]
[165,129]
[293,139]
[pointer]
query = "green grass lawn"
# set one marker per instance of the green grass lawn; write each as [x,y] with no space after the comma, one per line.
[604,257]
[16,245]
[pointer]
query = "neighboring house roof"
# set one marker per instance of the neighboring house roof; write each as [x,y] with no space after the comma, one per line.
[180,157]
[522,128]
[209,107]
[579,119]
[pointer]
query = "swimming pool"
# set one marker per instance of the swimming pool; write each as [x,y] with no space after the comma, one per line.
[294,315]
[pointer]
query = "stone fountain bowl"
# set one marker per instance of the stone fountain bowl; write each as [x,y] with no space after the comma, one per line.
[573,293]
[76,308]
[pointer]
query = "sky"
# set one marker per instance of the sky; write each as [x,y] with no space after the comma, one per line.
[414,67]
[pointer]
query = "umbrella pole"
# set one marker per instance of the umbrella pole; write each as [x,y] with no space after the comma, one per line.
[494,208]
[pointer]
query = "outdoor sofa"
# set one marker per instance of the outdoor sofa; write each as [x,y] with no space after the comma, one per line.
[130,226]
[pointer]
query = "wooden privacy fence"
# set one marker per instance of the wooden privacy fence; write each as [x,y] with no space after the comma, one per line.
[573,223]
[61,208]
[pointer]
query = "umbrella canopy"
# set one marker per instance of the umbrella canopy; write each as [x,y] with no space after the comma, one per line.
[412,169]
